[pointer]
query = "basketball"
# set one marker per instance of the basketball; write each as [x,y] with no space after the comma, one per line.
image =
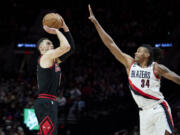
[52,20]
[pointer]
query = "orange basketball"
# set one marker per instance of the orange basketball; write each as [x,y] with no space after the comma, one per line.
[52,20]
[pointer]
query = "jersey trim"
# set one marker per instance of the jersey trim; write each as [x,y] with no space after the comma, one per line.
[49,67]
[52,66]
[155,73]
[131,66]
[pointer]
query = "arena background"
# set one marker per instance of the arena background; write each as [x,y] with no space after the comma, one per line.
[94,98]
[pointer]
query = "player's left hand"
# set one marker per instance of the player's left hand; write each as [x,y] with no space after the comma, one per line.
[64,26]
[50,30]
[91,17]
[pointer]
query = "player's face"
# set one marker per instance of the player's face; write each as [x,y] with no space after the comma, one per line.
[46,45]
[141,54]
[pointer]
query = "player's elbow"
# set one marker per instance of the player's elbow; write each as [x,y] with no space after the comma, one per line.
[178,80]
[67,48]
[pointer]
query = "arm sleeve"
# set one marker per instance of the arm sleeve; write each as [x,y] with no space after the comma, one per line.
[72,44]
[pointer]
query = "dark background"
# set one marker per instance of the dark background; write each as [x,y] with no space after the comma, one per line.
[100,79]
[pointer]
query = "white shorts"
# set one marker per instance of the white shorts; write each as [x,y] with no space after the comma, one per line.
[157,120]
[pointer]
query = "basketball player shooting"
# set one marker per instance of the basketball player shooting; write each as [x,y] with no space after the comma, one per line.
[144,75]
[49,77]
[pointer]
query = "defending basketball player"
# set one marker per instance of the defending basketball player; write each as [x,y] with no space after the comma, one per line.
[144,81]
[49,77]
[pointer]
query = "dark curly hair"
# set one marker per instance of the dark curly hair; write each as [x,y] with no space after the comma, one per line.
[155,53]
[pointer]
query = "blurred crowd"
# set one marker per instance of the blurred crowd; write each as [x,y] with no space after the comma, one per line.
[94,101]
[94,97]
[91,101]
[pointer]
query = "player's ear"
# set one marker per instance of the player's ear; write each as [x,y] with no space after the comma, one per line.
[147,55]
[40,47]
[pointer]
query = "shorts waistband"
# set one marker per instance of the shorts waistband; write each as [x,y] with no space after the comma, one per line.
[48,96]
[151,106]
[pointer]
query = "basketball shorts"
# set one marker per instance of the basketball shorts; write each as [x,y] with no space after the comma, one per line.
[156,120]
[46,111]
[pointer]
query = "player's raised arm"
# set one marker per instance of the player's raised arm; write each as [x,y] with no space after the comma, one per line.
[125,59]
[70,39]
[64,46]
[167,73]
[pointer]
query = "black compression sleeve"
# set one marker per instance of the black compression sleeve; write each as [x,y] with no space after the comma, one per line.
[72,44]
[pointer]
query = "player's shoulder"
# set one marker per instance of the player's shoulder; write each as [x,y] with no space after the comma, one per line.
[158,65]
[160,68]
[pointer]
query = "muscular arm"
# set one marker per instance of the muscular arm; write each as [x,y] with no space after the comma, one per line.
[167,73]
[63,48]
[125,59]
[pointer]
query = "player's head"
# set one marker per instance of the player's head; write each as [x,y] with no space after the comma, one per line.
[148,53]
[44,44]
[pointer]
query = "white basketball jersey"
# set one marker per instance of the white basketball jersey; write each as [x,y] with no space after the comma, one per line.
[144,85]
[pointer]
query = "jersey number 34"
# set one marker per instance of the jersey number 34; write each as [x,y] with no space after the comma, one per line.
[145,83]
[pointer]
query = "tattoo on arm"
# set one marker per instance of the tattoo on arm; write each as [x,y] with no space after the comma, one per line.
[168,74]
[162,69]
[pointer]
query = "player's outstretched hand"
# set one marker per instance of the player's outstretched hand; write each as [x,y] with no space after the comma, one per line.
[50,30]
[91,17]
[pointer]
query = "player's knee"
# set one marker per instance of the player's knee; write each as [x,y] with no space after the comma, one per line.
[167,133]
